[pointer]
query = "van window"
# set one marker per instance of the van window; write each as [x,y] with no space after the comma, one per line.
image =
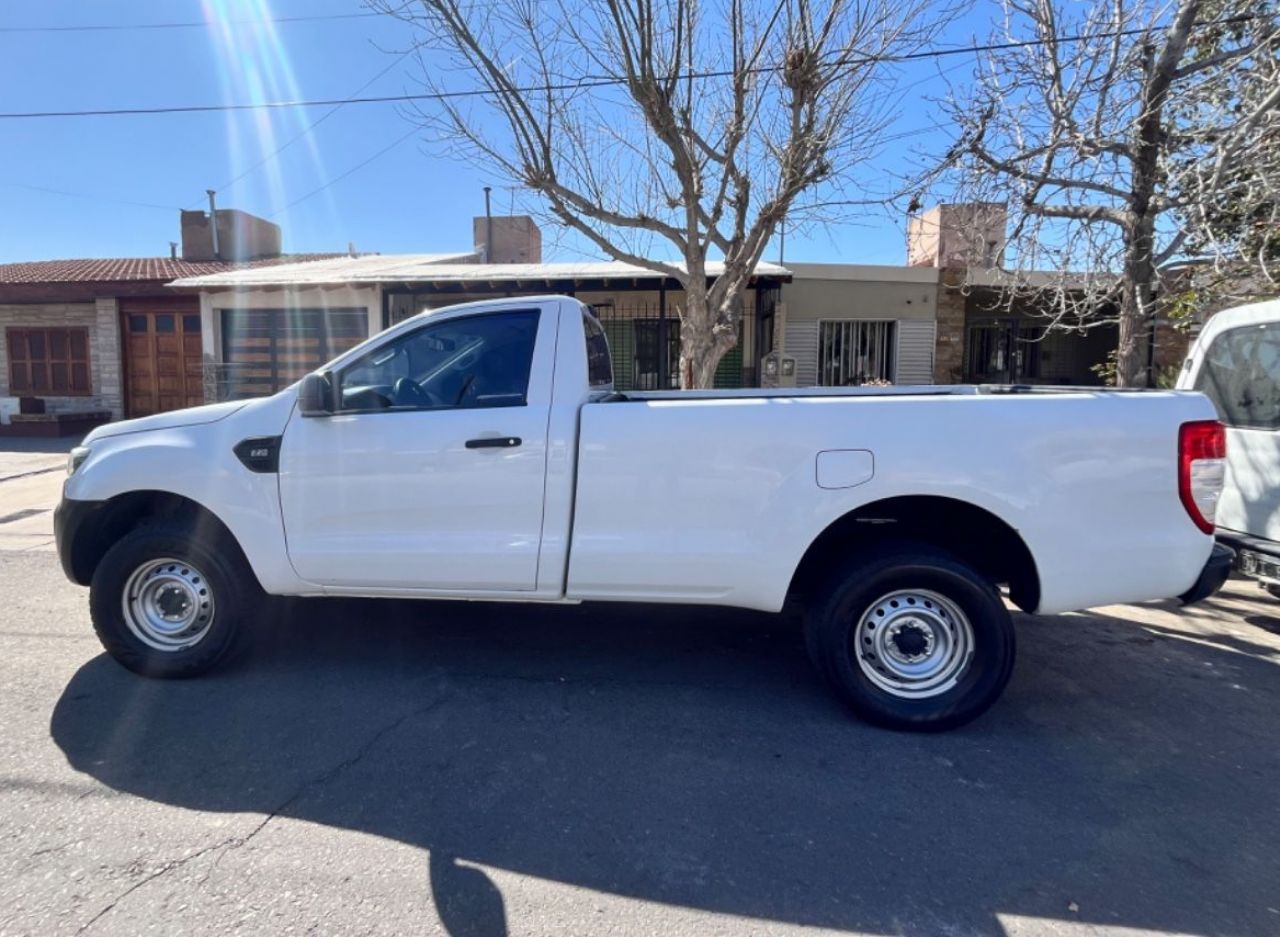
[1241,375]
[599,366]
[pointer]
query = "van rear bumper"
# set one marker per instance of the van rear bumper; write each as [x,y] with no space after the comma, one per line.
[1216,570]
[1256,557]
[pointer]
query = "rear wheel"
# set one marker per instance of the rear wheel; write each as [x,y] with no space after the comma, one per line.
[911,638]
[166,604]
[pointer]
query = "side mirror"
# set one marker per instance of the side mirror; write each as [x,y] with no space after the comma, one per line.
[315,394]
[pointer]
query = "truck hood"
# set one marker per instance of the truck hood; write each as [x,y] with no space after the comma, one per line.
[192,416]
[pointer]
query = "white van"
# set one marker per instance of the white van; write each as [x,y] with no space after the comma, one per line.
[1236,363]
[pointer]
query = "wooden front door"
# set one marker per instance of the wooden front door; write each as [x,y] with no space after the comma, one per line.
[162,356]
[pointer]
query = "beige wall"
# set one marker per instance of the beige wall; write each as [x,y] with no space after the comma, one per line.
[103,322]
[826,292]
[845,291]
[965,235]
[516,239]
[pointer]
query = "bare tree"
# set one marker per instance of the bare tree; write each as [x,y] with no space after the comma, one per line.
[1230,208]
[1113,129]
[693,128]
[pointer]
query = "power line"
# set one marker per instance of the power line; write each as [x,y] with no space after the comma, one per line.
[584,82]
[313,125]
[336,179]
[195,24]
[280,105]
[89,195]
[395,143]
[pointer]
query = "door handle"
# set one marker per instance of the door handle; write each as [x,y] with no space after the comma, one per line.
[494,442]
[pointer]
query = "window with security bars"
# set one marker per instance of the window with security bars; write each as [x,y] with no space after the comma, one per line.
[851,353]
[52,361]
[643,361]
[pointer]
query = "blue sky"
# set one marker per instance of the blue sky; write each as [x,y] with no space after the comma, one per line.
[126,177]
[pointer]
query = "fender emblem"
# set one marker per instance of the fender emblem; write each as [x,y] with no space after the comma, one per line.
[259,454]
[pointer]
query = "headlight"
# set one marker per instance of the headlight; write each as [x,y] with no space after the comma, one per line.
[76,458]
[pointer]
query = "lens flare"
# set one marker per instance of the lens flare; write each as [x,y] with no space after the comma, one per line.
[254,67]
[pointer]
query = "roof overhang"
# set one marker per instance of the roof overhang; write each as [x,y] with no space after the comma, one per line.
[434,273]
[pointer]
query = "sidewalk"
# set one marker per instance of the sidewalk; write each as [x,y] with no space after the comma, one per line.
[31,475]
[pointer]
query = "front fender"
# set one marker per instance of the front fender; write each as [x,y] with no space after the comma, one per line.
[198,462]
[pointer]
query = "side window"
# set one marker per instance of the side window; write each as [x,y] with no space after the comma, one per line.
[1241,375]
[599,365]
[478,361]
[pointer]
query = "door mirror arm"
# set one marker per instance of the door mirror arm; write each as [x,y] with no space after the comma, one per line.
[315,394]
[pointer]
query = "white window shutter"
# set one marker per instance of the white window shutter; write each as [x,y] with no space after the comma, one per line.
[915,351]
[802,344]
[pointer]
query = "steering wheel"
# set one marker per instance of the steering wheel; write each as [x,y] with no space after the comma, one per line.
[409,393]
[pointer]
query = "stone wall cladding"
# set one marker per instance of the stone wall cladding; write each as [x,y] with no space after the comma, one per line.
[948,359]
[104,349]
[209,377]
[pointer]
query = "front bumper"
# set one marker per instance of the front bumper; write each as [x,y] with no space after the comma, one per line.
[1216,570]
[69,520]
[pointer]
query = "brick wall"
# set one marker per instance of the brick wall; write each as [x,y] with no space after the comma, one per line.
[948,358]
[1171,347]
[101,319]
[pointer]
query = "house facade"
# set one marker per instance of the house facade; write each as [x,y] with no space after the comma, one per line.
[265,328]
[233,317]
[852,324]
[89,340]
[844,324]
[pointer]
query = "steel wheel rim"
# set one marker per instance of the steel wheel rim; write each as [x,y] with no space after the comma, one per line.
[913,643]
[168,604]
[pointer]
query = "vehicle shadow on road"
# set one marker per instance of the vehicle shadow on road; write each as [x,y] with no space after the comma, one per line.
[688,757]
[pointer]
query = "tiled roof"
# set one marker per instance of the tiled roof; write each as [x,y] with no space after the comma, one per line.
[134,269]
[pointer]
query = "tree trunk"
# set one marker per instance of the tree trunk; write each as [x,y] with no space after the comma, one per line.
[1137,305]
[706,333]
[1131,358]
[1149,176]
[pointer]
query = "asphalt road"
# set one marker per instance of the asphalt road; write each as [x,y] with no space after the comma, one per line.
[392,768]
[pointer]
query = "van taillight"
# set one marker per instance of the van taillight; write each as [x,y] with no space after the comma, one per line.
[1202,469]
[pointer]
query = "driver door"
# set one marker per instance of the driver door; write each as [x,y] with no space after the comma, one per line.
[430,473]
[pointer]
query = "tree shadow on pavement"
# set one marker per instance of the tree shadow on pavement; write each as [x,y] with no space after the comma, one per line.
[688,757]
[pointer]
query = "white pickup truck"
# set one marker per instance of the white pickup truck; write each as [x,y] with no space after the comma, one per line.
[1235,362]
[480,452]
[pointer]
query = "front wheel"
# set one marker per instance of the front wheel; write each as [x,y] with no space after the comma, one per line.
[166,602]
[912,638]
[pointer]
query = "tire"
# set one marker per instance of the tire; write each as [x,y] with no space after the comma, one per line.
[945,646]
[204,586]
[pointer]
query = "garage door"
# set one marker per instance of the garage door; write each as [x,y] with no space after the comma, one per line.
[266,350]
